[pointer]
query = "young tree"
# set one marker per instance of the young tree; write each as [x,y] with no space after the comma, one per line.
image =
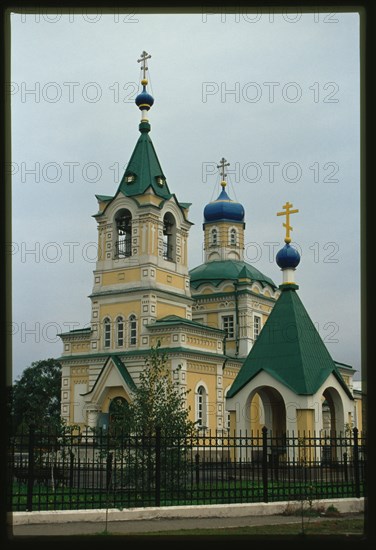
[157,412]
[35,395]
[157,401]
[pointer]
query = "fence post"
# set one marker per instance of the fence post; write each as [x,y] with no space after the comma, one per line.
[197,468]
[30,469]
[265,463]
[158,466]
[356,463]
[71,466]
[109,470]
[345,466]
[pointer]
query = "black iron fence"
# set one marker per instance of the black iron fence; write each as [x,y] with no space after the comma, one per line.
[69,470]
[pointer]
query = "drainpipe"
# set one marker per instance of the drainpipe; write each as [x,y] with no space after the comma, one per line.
[236,319]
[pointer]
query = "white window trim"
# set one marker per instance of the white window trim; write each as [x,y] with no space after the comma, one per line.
[258,317]
[230,231]
[216,231]
[104,324]
[201,383]
[130,330]
[233,326]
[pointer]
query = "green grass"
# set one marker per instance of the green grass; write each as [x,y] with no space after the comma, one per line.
[338,526]
[65,498]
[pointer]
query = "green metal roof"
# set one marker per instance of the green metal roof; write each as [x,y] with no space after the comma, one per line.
[85,330]
[146,171]
[171,320]
[122,370]
[145,166]
[290,349]
[217,271]
[104,198]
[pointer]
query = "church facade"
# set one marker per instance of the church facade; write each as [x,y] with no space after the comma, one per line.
[206,319]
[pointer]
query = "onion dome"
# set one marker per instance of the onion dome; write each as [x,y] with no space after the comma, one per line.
[223,208]
[144,100]
[288,257]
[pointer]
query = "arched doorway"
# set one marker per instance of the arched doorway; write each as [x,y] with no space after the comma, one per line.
[118,413]
[333,424]
[332,412]
[267,408]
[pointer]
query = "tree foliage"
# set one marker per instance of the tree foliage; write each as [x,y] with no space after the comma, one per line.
[157,401]
[157,407]
[35,395]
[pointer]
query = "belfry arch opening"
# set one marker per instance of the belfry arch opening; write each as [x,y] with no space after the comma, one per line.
[169,237]
[123,243]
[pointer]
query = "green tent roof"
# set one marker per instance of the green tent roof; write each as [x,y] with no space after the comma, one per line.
[145,167]
[217,271]
[290,349]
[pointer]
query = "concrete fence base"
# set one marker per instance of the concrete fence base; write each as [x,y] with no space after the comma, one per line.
[343,505]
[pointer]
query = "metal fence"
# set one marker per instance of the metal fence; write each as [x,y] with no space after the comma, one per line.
[68,470]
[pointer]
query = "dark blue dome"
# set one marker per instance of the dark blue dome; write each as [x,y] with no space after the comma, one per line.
[287,257]
[144,100]
[224,209]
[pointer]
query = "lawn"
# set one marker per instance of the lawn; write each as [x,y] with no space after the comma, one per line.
[337,526]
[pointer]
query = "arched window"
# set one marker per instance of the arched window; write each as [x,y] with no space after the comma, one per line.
[233,236]
[107,333]
[214,237]
[169,231]
[120,332]
[132,330]
[201,407]
[123,234]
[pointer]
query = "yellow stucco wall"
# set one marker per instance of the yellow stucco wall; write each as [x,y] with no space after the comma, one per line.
[164,309]
[80,347]
[148,198]
[223,234]
[206,373]
[125,309]
[78,375]
[359,413]
[121,276]
[305,421]
[163,339]
[255,409]
[172,279]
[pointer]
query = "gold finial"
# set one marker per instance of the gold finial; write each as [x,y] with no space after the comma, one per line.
[222,164]
[144,67]
[287,225]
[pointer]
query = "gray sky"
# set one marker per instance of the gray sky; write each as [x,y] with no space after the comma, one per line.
[277,96]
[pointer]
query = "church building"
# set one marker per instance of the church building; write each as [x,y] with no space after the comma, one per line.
[207,319]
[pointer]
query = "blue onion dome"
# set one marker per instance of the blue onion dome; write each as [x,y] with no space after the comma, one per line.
[144,100]
[287,257]
[223,208]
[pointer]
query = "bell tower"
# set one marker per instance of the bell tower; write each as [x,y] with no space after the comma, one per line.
[223,225]
[141,272]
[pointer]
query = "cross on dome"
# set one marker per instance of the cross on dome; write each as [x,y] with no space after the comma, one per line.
[222,165]
[143,60]
[287,225]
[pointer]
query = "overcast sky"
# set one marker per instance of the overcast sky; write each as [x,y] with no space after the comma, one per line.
[276,95]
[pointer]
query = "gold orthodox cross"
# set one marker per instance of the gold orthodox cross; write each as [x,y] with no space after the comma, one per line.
[222,164]
[143,60]
[287,207]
